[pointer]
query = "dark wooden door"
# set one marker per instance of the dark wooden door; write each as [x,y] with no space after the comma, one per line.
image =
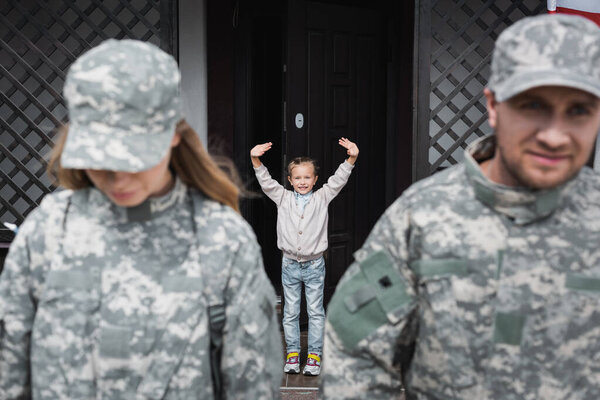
[336,78]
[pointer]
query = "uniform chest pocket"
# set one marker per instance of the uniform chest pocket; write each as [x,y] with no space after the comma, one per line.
[442,323]
[68,302]
[580,309]
[572,312]
[565,330]
[63,332]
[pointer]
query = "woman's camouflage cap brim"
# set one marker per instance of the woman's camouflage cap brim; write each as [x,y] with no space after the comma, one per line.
[92,148]
[124,103]
[547,50]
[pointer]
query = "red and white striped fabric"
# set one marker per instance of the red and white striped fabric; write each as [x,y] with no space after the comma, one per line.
[591,10]
[586,8]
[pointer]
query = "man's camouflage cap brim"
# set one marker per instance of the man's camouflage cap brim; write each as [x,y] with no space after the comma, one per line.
[547,50]
[124,103]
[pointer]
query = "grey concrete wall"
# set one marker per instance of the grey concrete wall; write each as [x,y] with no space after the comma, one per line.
[192,62]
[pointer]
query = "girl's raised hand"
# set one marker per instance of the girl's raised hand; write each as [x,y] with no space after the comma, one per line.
[260,149]
[352,149]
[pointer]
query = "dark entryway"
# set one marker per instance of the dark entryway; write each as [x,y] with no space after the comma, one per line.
[337,80]
[346,66]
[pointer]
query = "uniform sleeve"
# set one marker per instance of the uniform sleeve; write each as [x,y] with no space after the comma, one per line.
[369,318]
[337,181]
[252,359]
[269,186]
[17,310]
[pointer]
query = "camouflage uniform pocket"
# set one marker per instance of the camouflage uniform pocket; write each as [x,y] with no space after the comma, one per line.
[62,339]
[580,313]
[442,323]
[563,329]
[572,311]
[374,296]
[67,304]
[71,290]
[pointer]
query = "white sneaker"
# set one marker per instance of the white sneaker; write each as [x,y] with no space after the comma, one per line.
[292,363]
[313,365]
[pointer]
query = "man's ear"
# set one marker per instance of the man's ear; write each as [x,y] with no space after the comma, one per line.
[491,103]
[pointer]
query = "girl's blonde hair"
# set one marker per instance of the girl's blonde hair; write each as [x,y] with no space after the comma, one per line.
[302,160]
[190,161]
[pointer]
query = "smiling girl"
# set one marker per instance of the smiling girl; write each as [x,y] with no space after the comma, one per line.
[302,237]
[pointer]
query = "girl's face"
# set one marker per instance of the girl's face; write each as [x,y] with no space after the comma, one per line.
[129,189]
[303,178]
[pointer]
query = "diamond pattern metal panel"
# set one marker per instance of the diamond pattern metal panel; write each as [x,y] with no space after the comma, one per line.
[38,42]
[462,40]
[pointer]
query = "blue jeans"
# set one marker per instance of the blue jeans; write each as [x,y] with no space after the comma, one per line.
[312,274]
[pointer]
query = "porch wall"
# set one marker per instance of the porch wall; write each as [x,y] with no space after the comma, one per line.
[454,41]
[39,41]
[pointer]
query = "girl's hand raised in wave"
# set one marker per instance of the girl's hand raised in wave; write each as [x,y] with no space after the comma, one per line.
[257,151]
[260,149]
[351,149]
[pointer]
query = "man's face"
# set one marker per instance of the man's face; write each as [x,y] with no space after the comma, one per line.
[545,135]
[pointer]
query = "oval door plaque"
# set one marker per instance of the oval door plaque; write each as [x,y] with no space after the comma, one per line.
[299,120]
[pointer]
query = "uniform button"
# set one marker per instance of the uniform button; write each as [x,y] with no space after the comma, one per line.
[299,248]
[300,232]
[302,217]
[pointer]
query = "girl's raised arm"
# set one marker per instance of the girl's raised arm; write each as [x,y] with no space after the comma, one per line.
[273,189]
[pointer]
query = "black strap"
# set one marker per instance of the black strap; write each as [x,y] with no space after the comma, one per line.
[216,318]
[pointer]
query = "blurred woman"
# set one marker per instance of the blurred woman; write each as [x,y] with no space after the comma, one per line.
[141,280]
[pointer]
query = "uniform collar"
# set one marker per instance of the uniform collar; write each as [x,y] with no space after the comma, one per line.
[100,205]
[523,205]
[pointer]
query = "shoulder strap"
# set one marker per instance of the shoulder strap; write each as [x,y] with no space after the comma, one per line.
[216,317]
[55,250]
[215,301]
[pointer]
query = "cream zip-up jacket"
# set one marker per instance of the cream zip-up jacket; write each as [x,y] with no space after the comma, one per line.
[302,235]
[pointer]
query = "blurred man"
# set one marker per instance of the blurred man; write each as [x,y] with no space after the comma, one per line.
[483,281]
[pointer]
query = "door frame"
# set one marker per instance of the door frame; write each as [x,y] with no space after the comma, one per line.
[398,99]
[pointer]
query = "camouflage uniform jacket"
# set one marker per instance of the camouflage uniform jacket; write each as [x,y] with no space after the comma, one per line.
[103,302]
[473,291]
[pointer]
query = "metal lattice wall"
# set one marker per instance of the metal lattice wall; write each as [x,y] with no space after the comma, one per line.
[38,42]
[455,44]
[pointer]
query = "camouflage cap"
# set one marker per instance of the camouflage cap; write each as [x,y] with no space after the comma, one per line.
[547,50]
[123,99]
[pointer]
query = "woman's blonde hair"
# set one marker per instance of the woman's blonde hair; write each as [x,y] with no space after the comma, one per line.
[190,161]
